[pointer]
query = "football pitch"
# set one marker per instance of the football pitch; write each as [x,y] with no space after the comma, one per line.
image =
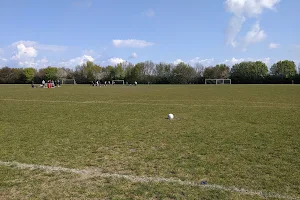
[115,142]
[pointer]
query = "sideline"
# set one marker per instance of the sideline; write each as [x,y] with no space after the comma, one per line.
[141,179]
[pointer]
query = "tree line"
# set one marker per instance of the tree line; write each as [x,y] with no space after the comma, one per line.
[162,73]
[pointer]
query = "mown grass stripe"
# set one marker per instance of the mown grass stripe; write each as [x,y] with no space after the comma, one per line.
[291,106]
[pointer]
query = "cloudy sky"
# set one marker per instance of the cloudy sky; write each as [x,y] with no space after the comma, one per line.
[38,33]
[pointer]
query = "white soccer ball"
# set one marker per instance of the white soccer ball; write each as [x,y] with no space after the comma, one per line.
[170,116]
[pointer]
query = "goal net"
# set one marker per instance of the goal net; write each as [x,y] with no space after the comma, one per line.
[118,82]
[217,81]
[68,81]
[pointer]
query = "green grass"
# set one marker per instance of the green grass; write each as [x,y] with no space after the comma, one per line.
[246,136]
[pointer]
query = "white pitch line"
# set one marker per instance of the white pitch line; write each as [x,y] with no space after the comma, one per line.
[215,100]
[142,179]
[150,104]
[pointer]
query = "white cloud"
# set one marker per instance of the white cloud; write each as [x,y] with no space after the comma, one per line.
[115,61]
[76,61]
[265,60]
[132,43]
[2,62]
[234,61]
[241,9]
[42,63]
[239,60]
[207,61]
[255,35]
[273,46]
[38,46]
[233,29]
[25,55]
[133,55]
[24,60]
[149,13]
[26,64]
[249,8]
[24,52]
[3,59]
[177,61]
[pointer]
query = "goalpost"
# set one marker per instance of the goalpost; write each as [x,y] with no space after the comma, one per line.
[68,81]
[217,81]
[118,82]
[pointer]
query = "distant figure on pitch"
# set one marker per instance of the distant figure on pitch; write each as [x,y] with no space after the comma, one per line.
[43,83]
[32,85]
[135,83]
[58,83]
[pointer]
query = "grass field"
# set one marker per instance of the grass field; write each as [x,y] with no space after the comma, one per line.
[243,136]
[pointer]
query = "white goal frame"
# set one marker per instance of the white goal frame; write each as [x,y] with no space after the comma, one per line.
[64,80]
[114,81]
[219,81]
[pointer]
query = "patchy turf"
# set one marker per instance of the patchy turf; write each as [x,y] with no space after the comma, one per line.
[232,135]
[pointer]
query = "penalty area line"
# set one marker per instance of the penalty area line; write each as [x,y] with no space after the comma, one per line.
[143,179]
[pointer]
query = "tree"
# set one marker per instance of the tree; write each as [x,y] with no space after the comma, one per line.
[17,75]
[87,72]
[199,68]
[209,73]
[61,73]
[148,71]
[220,71]
[39,76]
[119,72]
[163,72]
[249,72]
[29,74]
[128,73]
[137,73]
[110,72]
[5,74]
[50,73]
[183,74]
[284,69]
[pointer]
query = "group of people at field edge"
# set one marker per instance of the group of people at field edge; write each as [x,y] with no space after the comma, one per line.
[48,84]
[98,83]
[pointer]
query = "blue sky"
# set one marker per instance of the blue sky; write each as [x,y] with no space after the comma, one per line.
[37,33]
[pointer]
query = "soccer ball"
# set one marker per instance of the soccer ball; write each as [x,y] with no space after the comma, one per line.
[170,116]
